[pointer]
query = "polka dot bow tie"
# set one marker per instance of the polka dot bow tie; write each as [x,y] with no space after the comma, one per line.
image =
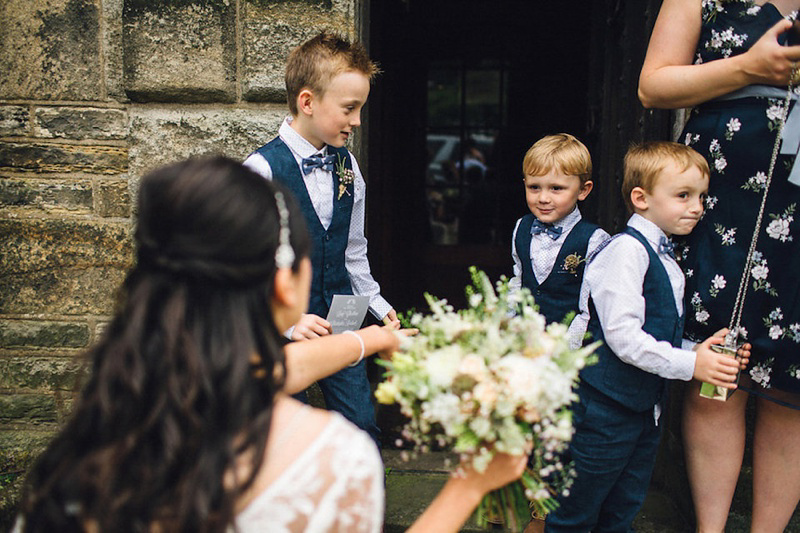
[666,246]
[554,232]
[317,161]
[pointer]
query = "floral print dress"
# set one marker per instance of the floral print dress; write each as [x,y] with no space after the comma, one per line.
[737,138]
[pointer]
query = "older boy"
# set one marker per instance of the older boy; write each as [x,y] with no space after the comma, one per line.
[327,84]
[550,245]
[632,300]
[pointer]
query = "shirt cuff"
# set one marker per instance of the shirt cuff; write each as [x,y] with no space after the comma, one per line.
[379,307]
[683,364]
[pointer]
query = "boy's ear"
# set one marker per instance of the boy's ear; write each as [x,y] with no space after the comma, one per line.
[304,100]
[639,198]
[586,188]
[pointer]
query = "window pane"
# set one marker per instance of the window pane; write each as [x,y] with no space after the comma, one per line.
[444,98]
[483,98]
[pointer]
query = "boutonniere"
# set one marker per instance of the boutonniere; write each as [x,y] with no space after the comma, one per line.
[572,262]
[346,177]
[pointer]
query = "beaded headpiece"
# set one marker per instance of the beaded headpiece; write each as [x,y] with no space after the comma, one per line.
[284,254]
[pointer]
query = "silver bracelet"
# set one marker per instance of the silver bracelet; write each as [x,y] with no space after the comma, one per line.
[361,342]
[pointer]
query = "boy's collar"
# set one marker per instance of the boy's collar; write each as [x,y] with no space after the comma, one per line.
[296,142]
[647,228]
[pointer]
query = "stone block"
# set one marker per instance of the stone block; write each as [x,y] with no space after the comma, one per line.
[74,196]
[112,198]
[62,266]
[112,50]
[17,440]
[180,50]
[43,334]
[40,157]
[50,50]
[40,373]
[191,131]
[28,408]
[14,120]
[80,123]
[272,28]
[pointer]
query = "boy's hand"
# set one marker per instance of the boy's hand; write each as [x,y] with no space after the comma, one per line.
[391,319]
[311,326]
[716,368]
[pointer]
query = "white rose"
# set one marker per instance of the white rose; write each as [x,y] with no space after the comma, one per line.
[523,376]
[778,229]
[775,112]
[474,366]
[486,395]
[759,272]
[442,365]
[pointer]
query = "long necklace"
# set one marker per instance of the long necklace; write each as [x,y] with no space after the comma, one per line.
[732,344]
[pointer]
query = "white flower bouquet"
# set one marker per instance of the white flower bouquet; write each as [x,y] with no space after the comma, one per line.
[491,378]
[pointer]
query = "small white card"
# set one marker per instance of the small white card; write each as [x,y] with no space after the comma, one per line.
[347,312]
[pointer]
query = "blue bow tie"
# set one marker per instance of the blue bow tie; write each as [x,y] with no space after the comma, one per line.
[554,232]
[666,246]
[317,161]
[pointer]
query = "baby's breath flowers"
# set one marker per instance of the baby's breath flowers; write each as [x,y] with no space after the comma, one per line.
[491,378]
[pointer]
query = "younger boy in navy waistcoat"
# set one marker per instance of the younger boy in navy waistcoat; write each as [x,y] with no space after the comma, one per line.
[632,300]
[327,84]
[550,245]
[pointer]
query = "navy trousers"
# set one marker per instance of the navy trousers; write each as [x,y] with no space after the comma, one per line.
[614,452]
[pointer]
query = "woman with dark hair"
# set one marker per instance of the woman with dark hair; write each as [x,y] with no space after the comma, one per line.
[185,423]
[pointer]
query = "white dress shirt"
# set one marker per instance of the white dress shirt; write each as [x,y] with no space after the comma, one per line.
[544,249]
[319,184]
[614,278]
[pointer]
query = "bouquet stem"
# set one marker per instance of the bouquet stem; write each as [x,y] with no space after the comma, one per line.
[507,505]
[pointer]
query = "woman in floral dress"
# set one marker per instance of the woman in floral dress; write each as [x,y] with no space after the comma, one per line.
[727,59]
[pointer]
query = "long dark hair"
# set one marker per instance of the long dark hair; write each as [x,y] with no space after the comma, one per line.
[183,383]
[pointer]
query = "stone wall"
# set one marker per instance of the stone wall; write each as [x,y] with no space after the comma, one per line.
[93,93]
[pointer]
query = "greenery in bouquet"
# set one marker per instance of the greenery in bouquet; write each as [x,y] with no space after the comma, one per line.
[493,377]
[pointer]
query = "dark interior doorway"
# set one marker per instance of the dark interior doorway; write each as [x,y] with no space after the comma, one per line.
[467,86]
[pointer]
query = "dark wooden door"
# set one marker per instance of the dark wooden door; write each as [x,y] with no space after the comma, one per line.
[467,86]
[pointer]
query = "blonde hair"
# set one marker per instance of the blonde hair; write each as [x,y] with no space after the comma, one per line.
[562,152]
[644,163]
[313,65]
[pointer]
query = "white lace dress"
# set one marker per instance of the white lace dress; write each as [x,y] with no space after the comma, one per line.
[336,484]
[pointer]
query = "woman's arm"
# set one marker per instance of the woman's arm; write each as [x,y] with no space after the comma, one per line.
[462,494]
[670,80]
[310,360]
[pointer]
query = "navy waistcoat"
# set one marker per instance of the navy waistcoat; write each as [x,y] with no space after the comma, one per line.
[629,385]
[559,293]
[329,274]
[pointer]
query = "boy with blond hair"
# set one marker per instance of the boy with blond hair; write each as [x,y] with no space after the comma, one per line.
[327,84]
[632,300]
[551,243]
